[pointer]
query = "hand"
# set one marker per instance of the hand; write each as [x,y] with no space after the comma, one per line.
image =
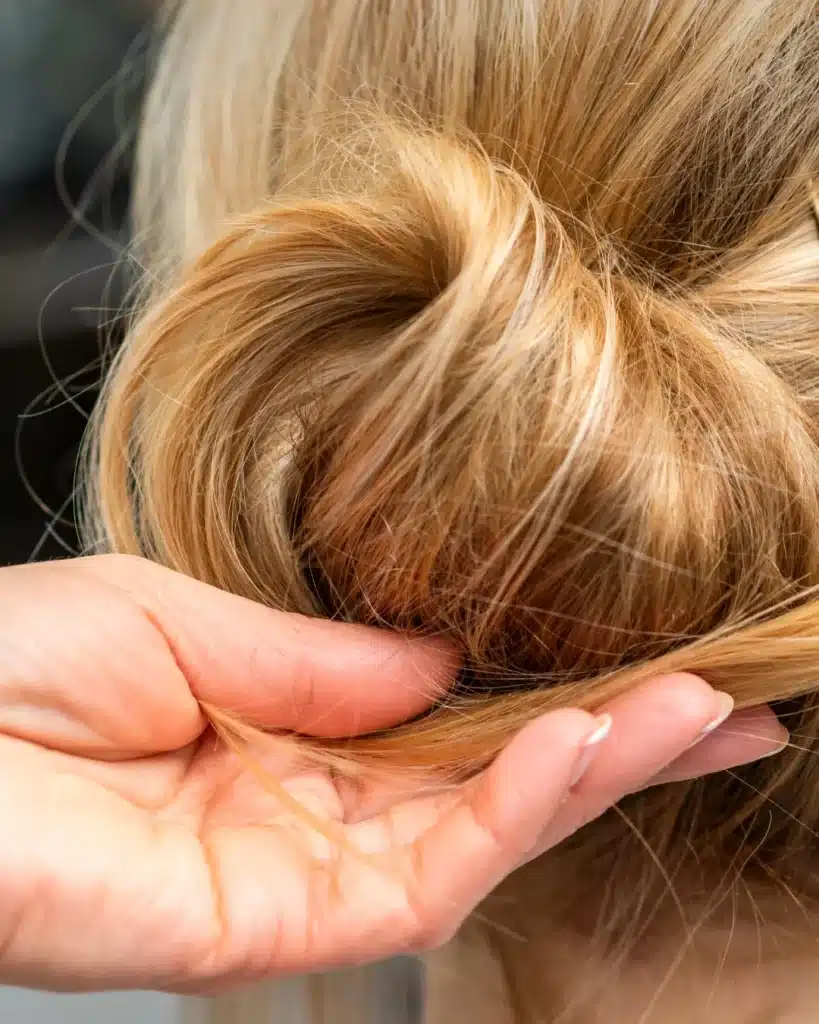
[137,851]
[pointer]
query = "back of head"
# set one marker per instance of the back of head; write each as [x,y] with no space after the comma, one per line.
[500,319]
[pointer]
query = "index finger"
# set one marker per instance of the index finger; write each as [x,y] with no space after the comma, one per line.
[278,670]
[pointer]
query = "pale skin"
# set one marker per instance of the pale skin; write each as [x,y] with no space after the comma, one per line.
[136,850]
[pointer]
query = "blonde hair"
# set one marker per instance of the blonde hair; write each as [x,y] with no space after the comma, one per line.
[499,319]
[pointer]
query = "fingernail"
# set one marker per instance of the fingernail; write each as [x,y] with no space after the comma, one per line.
[726,706]
[775,750]
[590,747]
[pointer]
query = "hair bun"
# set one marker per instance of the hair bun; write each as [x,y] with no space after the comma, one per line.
[418,399]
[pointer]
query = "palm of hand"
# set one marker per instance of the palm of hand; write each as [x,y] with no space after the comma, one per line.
[184,867]
[130,824]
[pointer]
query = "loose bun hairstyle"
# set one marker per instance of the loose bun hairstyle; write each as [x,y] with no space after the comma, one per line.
[500,320]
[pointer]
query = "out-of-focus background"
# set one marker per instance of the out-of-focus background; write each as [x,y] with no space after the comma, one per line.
[71,73]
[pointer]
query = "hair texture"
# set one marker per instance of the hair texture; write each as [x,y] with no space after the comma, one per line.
[499,319]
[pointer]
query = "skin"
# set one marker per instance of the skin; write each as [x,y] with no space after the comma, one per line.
[137,850]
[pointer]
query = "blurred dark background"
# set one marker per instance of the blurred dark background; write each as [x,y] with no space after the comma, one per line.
[71,78]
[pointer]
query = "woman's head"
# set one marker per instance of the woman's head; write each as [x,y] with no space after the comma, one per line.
[498,320]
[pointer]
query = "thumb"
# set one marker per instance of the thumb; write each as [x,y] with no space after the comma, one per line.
[279,670]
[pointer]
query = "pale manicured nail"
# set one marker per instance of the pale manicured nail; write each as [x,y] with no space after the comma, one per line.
[775,750]
[590,747]
[726,706]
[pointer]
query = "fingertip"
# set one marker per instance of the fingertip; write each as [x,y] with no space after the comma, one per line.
[411,672]
[687,698]
[503,814]
[682,682]
[436,659]
[532,776]
[746,737]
